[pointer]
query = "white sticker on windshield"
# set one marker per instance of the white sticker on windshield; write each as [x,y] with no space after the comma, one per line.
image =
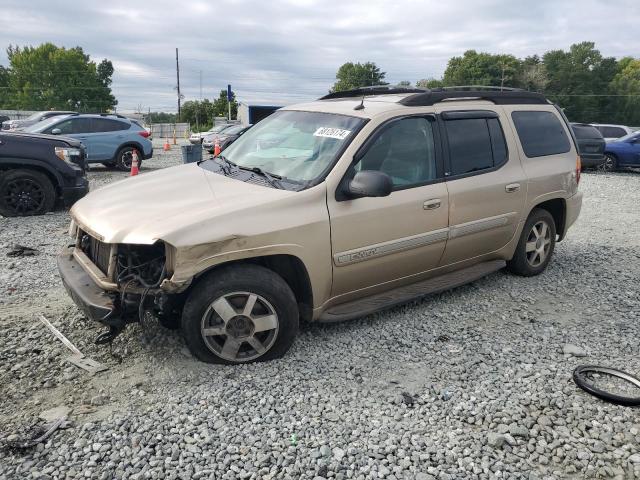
[329,132]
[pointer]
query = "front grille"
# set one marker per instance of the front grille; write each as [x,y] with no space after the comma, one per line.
[98,252]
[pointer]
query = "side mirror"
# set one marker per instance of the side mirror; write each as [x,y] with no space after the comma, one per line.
[369,183]
[56,131]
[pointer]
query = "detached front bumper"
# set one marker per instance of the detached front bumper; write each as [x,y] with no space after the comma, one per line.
[95,302]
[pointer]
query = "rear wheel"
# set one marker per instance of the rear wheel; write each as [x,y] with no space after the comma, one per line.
[125,157]
[26,192]
[610,163]
[240,314]
[536,245]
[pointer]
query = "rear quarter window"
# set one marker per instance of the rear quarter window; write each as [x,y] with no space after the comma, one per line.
[586,132]
[540,133]
[612,132]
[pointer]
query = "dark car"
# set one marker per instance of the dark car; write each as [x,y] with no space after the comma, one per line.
[591,145]
[623,152]
[39,171]
[224,138]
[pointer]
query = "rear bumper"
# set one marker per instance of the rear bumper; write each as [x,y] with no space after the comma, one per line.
[574,205]
[96,303]
[591,161]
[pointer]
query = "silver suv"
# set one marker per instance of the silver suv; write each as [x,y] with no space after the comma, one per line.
[326,211]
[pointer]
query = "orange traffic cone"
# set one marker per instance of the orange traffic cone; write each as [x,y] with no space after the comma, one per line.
[134,163]
[167,146]
[216,148]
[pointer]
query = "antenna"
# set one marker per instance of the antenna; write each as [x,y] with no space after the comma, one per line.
[361,106]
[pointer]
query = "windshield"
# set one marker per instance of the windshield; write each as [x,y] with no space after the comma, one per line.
[298,146]
[43,125]
[234,130]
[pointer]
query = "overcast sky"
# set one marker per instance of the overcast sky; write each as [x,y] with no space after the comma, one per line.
[286,51]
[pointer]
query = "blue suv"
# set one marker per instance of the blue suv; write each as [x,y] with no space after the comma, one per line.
[109,139]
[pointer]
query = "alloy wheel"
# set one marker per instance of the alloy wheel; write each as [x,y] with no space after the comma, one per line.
[239,326]
[24,196]
[608,165]
[538,244]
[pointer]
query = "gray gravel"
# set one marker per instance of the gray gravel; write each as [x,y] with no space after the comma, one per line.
[471,383]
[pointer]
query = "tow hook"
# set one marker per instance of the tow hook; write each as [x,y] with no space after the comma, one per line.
[107,337]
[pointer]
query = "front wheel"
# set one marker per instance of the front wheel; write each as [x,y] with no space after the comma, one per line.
[25,192]
[240,314]
[536,245]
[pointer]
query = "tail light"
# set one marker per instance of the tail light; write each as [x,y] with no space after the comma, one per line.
[578,168]
[144,133]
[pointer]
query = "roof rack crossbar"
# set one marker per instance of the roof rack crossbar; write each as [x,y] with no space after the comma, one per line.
[498,97]
[478,88]
[372,90]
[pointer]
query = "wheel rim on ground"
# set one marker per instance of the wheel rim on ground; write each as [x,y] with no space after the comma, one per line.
[239,326]
[24,196]
[538,243]
[607,165]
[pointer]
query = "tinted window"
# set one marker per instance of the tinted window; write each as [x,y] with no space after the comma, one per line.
[540,133]
[586,132]
[612,132]
[404,150]
[108,125]
[71,126]
[475,144]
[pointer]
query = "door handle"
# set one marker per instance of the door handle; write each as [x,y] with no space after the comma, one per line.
[512,187]
[432,204]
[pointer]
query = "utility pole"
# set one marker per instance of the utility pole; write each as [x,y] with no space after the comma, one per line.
[178,87]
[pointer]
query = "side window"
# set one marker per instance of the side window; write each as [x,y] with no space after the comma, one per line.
[82,125]
[540,133]
[65,127]
[404,150]
[613,132]
[108,125]
[475,144]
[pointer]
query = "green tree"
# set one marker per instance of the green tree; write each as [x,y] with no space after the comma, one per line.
[198,113]
[404,84]
[4,86]
[51,77]
[430,83]
[160,117]
[355,75]
[474,68]
[626,85]
[221,105]
[579,81]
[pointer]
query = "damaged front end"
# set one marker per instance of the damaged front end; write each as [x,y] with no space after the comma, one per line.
[116,284]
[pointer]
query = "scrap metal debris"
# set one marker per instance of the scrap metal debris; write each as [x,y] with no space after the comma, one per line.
[39,435]
[78,358]
[22,251]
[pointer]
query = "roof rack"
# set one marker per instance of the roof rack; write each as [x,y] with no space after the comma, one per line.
[497,95]
[117,115]
[373,90]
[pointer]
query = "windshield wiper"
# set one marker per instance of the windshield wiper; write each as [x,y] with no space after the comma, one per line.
[272,178]
[225,164]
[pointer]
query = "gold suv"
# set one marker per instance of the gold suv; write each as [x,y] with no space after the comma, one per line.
[326,211]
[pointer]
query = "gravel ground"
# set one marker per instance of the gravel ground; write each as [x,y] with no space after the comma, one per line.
[471,383]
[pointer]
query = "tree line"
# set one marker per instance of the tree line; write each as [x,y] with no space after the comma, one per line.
[587,85]
[48,77]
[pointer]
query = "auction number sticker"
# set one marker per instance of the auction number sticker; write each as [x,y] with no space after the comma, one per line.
[329,132]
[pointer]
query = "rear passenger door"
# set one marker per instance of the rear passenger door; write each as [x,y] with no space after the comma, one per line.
[485,180]
[108,134]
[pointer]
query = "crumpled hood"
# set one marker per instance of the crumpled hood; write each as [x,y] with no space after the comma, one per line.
[157,205]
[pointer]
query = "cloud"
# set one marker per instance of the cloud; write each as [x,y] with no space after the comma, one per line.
[286,51]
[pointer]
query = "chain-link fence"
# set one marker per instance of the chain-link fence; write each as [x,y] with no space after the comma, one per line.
[168,130]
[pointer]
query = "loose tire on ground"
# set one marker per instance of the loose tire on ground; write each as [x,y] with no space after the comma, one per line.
[123,159]
[536,245]
[25,192]
[240,314]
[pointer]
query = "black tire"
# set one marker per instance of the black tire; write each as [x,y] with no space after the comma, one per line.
[272,293]
[524,262]
[580,379]
[26,192]
[610,163]
[123,158]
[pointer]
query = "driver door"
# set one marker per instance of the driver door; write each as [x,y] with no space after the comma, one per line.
[379,240]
